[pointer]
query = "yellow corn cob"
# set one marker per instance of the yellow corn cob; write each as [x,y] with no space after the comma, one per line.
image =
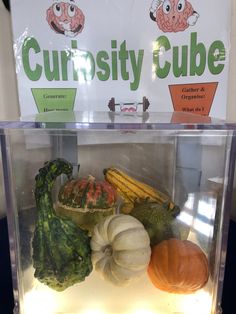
[132,190]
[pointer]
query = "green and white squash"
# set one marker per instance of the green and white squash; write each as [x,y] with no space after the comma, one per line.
[120,249]
[86,201]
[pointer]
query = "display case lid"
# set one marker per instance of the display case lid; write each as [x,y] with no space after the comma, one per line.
[118,120]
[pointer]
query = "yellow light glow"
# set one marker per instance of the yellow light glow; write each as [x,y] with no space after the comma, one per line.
[38,301]
[197,303]
[144,311]
[42,300]
[93,311]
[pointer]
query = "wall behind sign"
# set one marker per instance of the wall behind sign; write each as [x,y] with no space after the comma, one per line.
[9,107]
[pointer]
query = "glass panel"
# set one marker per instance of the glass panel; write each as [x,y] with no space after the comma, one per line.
[185,170]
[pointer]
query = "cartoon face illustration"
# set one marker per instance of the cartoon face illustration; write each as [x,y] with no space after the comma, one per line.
[65,18]
[173,15]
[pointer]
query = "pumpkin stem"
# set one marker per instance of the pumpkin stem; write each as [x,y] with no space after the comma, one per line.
[108,250]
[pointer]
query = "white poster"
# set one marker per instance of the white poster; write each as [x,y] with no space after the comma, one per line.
[156,55]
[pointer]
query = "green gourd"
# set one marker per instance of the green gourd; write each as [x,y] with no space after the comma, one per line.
[61,250]
[160,221]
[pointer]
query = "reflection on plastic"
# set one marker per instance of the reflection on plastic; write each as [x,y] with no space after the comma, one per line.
[128,107]
[83,66]
[205,210]
[203,228]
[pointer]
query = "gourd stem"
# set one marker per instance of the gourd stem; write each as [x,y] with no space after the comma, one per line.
[91,178]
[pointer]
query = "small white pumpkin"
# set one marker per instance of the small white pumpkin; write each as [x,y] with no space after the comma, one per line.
[120,249]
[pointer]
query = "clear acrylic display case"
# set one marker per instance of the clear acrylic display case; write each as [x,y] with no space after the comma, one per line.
[188,159]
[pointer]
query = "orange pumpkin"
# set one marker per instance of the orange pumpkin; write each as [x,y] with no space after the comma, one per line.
[178,266]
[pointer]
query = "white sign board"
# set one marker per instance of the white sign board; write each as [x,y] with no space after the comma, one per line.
[79,54]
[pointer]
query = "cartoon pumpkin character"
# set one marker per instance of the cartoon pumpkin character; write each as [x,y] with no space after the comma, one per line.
[65,18]
[173,15]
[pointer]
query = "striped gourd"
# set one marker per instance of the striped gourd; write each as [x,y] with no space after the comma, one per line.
[132,190]
[86,201]
[87,193]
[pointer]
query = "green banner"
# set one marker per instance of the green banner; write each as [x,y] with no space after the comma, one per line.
[49,99]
